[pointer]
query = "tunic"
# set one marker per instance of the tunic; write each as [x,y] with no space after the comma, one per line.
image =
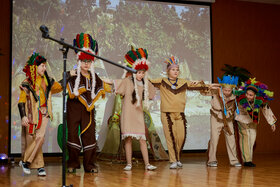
[132,117]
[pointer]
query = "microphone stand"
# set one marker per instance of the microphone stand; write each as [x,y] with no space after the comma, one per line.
[64,51]
[65,48]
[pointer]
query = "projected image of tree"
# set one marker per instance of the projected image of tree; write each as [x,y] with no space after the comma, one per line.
[164,29]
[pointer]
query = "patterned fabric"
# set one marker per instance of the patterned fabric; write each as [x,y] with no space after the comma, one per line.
[87,43]
[261,99]
[84,89]
[172,62]
[137,59]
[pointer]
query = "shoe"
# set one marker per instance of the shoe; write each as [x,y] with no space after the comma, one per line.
[93,170]
[128,167]
[25,167]
[236,165]
[249,164]
[41,172]
[212,164]
[179,164]
[150,167]
[173,165]
[71,170]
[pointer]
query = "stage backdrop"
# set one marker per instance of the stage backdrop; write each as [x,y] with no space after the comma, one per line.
[165,29]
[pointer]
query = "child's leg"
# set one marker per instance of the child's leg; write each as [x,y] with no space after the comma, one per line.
[128,149]
[252,138]
[88,141]
[33,153]
[231,145]
[216,128]
[179,130]
[74,147]
[169,136]
[144,151]
[244,140]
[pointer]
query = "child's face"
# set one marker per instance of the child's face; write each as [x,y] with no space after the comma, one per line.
[85,65]
[250,95]
[173,73]
[41,69]
[227,92]
[140,75]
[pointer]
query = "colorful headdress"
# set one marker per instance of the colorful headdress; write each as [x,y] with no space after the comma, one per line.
[228,81]
[262,97]
[137,59]
[87,43]
[172,62]
[30,68]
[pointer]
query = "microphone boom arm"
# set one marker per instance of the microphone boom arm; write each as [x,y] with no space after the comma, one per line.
[46,35]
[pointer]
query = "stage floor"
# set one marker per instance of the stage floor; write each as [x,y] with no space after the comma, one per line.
[194,173]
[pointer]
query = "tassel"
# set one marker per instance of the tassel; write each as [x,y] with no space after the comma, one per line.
[225,110]
[237,110]
[93,81]
[136,91]
[77,81]
[146,92]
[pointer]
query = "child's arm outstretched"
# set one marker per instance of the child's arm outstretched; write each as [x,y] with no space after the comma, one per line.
[269,116]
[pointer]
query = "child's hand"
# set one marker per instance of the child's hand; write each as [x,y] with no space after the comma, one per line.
[108,81]
[24,121]
[215,86]
[196,82]
[273,128]
[73,72]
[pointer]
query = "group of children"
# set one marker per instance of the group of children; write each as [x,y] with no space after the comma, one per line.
[85,88]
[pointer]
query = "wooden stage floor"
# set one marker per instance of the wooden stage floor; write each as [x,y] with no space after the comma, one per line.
[194,173]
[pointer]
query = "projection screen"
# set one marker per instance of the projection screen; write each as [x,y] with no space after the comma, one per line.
[163,28]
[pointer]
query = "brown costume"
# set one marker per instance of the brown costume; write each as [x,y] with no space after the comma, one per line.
[80,112]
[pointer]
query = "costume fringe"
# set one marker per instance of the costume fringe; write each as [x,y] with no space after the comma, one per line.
[93,81]
[78,78]
[124,74]
[170,123]
[137,136]
[136,91]
[185,123]
[146,91]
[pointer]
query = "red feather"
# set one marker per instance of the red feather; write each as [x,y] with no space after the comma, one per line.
[84,56]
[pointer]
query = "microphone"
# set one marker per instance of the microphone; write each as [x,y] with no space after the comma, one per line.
[45,31]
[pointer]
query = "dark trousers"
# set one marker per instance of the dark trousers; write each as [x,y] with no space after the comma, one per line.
[77,115]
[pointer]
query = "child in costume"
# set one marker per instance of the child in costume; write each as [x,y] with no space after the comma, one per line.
[113,149]
[223,106]
[84,89]
[252,97]
[173,101]
[136,91]
[35,109]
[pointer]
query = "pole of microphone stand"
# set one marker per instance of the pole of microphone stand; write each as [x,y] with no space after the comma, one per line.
[64,52]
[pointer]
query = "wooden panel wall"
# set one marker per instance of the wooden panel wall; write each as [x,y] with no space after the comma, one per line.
[248,34]
[5,32]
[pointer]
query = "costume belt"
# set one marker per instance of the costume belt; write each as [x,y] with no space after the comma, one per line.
[230,118]
[43,112]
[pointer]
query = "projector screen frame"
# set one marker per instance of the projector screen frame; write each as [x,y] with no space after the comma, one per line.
[55,154]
